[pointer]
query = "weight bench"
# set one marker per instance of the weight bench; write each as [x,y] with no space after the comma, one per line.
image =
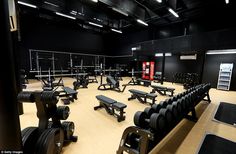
[142,96]
[110,106]
[71,95]
[146,83]
[162,90]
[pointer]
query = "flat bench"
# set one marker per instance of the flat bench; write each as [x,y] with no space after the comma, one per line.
[71,95]
[142,96]
[146,83]
[110,105]
[162,90]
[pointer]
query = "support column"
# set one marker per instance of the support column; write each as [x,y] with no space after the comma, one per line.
[163,68]
[10,135]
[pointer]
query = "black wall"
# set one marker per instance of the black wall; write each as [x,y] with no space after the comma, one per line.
[212,67]
[43,34]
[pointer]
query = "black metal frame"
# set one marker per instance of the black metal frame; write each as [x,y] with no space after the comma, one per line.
[110,109]
[162,90]
[142,98]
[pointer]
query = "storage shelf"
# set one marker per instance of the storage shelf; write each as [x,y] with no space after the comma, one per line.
[224,77]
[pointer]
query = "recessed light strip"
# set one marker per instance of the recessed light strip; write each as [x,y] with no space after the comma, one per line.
[159,1]
[142,22]
[27,4]
[118,31]
[94,24]
[173,12]
[64,15]
[227,1]
[220,52]
[119,11]
[95,1]
[49,3]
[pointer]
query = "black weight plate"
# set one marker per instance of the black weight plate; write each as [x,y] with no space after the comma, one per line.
[29,138]
[149,111]
[140,119]
[157,122]
[63,112]
[50,141]
[68,128]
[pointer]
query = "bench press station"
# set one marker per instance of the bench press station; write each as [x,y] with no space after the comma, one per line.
[110,106]
[162,90]
[142,96]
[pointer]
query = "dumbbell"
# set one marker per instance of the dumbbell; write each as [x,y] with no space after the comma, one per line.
[183,105]
[62,112]
[166,113]
[69,128]
[155,122]
[175,115]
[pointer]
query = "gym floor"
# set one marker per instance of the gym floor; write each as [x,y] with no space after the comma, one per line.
[100,133]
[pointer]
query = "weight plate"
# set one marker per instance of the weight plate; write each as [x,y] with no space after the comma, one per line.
[157,122]
[68,128]
[139,119]
[29,138]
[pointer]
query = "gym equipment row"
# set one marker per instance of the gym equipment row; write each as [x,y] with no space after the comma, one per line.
[50,136]
[155,122]
[110,105]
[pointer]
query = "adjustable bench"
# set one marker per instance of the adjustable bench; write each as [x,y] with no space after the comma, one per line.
[71,95]
[146,83]
[110,106]
[142,96]
[162,90]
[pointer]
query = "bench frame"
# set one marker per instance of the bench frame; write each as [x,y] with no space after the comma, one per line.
[163,90]
[70,97]
[142,98]
[110,109]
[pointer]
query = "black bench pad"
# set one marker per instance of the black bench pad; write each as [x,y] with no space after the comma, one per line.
[110,105]
[106,99]
[119,105]
[69,90]
[138,92]
[162,88]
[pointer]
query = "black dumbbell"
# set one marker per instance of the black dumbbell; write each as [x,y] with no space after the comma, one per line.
[149,111]
[156,107]
[173,109]
[166,113]
[62,112]
[155,122]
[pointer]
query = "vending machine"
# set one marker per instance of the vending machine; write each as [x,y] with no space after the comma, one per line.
[148,70]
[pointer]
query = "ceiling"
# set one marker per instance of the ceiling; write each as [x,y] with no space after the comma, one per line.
[123,14]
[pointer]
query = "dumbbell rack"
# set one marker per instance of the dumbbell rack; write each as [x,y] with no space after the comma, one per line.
[49,136]
[156,122]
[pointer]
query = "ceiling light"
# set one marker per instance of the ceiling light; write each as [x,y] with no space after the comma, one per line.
[119,11]
[227,1]
[64,15]
[173,12]
[73,12]
[159,55]
[114,30]
[142,22]
[221,52]
[27,4]
[168,54]
[49,3]
[159,1]
[95,1]
[91,23]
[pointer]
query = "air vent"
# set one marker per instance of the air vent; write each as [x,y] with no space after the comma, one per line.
[188,57]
